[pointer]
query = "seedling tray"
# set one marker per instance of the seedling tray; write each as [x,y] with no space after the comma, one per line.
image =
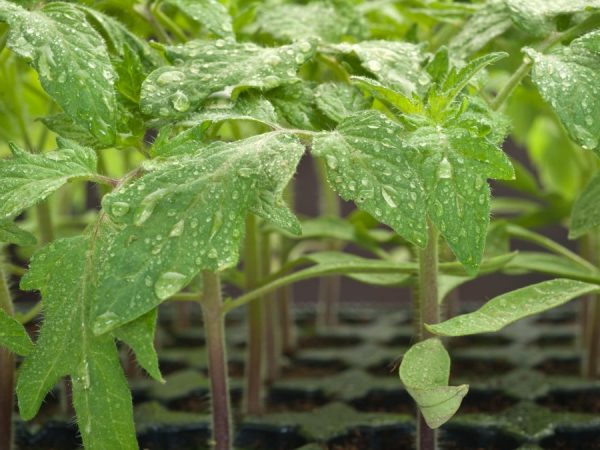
[340,390]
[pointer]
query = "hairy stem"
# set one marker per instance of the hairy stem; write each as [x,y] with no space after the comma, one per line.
[7,372]
[429,312]
[329,288]
[272,337]
[254,370]
[285,295]
[214,328]
[590,316]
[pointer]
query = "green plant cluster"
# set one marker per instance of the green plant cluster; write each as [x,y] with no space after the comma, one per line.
[190,118]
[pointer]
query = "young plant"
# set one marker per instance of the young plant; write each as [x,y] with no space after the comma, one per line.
[404,130]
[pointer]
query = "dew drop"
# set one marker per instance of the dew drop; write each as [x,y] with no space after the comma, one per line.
[387,197]
[444,169]
[168,284]
[304,46]
[171,76]
[373,65]
[332,162]
[147,205]
[119,209]
[177,229]
[180,101]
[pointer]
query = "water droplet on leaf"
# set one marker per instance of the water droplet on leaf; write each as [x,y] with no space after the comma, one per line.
[168,284]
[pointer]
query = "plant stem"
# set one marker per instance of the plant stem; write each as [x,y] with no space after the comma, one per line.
[329,288]
[590,316]
[214,328]
[429,312]
[44,222]
[166,21]
[272,337]
[589,24]
[7,372]
[285,295]
[591,360]
[254,373]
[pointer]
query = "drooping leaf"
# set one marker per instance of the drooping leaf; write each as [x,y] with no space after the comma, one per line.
[425,371]
[27,178]
[71,60]
[586,210]
[394,64]
[64,273]
[211,14]
[569,79]
[209,67]
[11,233]
[339,100]
[484,26]
[536,16]
[186,215]
[402,177]
[13,335]
[508,308]
[325,20]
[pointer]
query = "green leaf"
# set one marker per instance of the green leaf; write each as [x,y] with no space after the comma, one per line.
[208,67]
[64,126]
[425,371]
[65,272]
[569,79]
[326,20]
[186,215]
[71,60]
[550,264]
[508,308]
[211,14]
[340,100]
[296,104]
[389,97]
[11,233]
[454,170]
[246,107]
[367,163]
[558,161]
[122,42]
[400,178]
[586,210]
[483,27]
[536,16]
[395,64]
[13,335]
[332,259]
[457,80]
[27,178]
[447,283]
